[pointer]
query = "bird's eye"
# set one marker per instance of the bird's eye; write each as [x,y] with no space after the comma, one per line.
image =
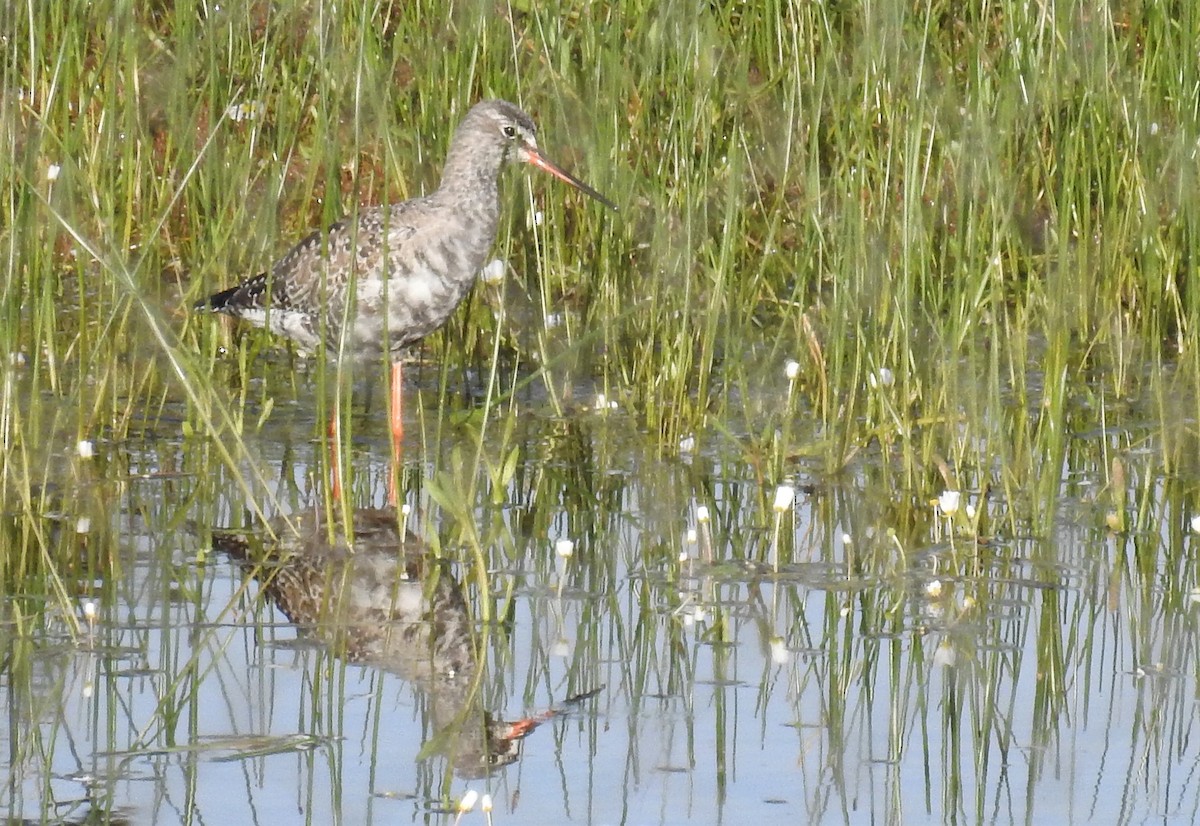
[510,131]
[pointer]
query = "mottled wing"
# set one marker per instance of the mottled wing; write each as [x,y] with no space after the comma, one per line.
[317,277]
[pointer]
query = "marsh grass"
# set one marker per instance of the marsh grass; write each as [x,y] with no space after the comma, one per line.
[973,228]
[947,187]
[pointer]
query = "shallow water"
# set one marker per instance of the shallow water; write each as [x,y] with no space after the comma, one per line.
[890,668]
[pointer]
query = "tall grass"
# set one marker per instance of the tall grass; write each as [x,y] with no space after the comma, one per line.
[973,228]
[902,188]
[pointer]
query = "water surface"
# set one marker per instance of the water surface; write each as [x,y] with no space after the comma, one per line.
[856,657]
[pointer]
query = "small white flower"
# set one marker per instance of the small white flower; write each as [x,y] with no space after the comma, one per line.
[784,496]
[1196,523]
[247,110]
[945,655]
[89,611]
[52,172]
[883,378]
[702,514]
[493,272]
[949,502]
[485,803]
[603,402]
[779,651]
[468,801]
[687,444]
[565,548]
[933,588]
[560,648]
[683,556]
[538,218]
[83,525]
[85,449]
[696,614]
[846,539]
[968,603]
[692,536]
[405,509]
[1154,128]
[791,369]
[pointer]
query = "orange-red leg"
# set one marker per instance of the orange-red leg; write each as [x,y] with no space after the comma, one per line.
[397,422]
[335,456]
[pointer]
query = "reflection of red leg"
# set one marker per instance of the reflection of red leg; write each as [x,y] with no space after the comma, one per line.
[397,421]
[521,728]
[335,458]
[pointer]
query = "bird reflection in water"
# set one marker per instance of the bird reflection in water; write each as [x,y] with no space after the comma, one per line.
[386,602]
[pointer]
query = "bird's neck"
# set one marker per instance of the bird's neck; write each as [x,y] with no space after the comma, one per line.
[471,173]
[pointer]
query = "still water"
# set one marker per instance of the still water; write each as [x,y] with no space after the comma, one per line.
[589,631]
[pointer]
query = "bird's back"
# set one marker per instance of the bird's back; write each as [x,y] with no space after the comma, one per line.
[371,284]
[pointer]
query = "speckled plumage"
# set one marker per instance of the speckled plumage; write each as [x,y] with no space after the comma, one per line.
[379,283]
[385,602]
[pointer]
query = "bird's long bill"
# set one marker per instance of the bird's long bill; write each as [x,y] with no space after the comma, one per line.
[533,156]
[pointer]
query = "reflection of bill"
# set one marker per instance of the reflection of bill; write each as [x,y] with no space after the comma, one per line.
[388,603]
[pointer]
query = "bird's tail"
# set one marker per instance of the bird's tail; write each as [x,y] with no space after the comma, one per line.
[243,296]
